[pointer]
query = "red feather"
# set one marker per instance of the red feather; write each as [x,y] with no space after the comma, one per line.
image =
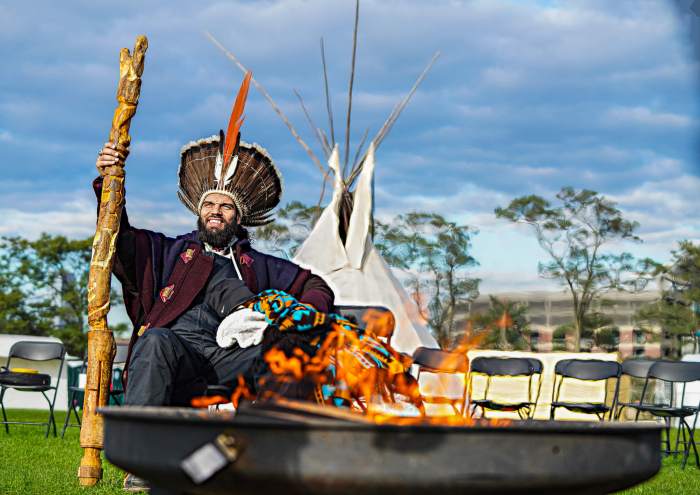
[236,120]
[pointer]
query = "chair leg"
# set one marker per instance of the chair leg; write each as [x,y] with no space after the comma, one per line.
[2,405]
[52,406]
[688,443]
[695,448]
[681,431]
[686,450]
[474,411]
[77,416]
[50,419]
[71,408]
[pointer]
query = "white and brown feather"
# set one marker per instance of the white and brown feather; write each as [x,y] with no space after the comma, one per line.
[255,185]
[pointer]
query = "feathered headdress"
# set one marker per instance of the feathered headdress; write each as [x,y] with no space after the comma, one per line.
[226,165]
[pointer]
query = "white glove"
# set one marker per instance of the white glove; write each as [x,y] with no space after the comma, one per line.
[244,326]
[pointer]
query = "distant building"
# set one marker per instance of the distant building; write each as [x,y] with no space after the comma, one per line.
[549,310]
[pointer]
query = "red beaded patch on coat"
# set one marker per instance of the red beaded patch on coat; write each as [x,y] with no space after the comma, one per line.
[187,255]
[167,292]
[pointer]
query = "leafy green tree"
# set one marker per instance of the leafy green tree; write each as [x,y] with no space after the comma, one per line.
[676,312]
[434,253]
[431,251]
[505,325]
[574,234]
[47,278]
[14,316]
[598,331]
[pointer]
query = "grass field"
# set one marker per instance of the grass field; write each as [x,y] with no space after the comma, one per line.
[30,464]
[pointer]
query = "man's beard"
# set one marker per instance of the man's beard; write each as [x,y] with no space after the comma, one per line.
[218,238]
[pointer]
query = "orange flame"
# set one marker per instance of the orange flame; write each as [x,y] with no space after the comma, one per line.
[369,390]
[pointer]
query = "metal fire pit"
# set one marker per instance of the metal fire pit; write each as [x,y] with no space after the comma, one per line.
[277,450]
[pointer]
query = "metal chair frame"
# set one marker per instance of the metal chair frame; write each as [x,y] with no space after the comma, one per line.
[634,368]
[586,371]
[506,367]
[31,350]
[674,372]
[443,362]
[119,358]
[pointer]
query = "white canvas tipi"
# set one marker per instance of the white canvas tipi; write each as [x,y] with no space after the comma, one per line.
[355,270]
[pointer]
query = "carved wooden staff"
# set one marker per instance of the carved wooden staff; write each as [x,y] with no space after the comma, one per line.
[101,347]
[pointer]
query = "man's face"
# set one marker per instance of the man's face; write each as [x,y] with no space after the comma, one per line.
[217,212]
[218,220]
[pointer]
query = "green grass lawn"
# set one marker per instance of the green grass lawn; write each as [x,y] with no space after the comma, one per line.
[30,464]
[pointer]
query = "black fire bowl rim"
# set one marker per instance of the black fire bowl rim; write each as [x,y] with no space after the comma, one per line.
[250,417]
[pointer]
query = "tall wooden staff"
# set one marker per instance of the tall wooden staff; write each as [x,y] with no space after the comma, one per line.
[101,347]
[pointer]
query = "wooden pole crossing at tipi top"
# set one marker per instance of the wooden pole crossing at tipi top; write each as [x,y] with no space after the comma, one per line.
[339,247]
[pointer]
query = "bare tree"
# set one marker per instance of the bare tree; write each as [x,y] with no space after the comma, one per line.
[434,253]
[574,234]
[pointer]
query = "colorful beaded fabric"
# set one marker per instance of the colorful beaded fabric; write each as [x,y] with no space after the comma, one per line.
[349,364]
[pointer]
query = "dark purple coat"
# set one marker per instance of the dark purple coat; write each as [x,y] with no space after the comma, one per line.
[161,276]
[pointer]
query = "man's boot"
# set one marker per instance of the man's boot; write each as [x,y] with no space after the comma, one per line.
[134,484]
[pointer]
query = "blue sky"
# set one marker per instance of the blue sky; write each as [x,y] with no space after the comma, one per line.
[526,97]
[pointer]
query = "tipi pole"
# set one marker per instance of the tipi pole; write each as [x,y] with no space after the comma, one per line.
[388,124]
[329,107]
[350,85]
[101,346]
[269,99]
[316,130]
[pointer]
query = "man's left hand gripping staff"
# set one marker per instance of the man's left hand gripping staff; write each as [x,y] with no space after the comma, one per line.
[110,159]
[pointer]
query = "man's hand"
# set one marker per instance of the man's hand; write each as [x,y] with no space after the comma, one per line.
[110,160]
[244,326]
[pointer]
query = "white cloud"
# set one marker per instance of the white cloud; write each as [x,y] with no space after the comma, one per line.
[158,147]
[73,215]
[478,111]
[523,100]
[501,77]
[645,116]
[70,218]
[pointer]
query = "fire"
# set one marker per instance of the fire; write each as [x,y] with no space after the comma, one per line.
[352,368]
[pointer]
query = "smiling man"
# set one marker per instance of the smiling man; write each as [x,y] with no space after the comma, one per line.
[178,290]
[217,220]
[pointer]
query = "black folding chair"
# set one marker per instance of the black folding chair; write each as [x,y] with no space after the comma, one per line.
[116,392]
[507,367]
[635,369]
[674,372]
[443,362]
[590,370]
[34,351]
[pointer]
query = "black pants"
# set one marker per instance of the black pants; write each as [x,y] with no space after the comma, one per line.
[169,367]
